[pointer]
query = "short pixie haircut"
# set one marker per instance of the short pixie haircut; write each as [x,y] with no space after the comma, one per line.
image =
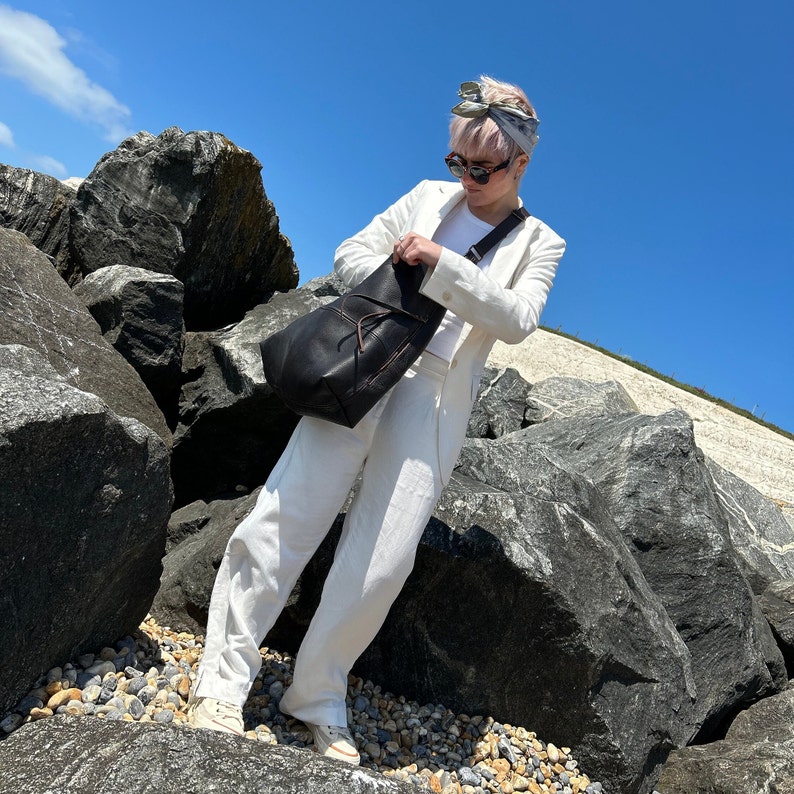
[483,134]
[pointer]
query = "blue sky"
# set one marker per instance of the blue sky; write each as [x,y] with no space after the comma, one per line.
[666,154]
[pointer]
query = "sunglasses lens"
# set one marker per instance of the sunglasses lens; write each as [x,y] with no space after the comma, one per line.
[456,169]
[479,175]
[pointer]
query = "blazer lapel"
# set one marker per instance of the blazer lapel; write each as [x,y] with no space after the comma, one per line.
[432,212]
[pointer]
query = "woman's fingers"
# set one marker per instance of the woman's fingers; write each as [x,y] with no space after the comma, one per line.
[413,249]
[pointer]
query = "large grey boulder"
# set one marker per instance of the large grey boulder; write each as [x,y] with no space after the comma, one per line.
[524,603]
[140,313]
[660,492]
[762,537]
[563,397]
[757,755]
[84,755]
[39,206]
[191,205]
[84,502]
[37,309]
[232,427]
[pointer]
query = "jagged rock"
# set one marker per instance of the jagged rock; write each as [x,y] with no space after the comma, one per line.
[190,567]
[730,768]
[191,519]
[37,309]
[38,206]
[757,755]
[770,720]
[777,604]
[762,537]
[79,755]
[560,398]
[186,522]
[191,205]
[140,314]
[232,428]
[84,500]
[500,404]
[661,494]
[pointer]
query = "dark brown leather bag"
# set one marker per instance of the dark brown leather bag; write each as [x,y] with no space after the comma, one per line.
[337,361]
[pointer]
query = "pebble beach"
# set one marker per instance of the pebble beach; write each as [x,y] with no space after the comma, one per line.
[148,678]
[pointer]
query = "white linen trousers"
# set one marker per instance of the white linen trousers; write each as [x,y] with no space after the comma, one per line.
[397,443]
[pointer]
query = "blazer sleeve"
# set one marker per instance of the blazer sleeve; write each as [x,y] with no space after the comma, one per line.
[509,313]
[361,254]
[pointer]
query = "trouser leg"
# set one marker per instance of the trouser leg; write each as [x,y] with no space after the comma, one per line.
[271,546]
[401,484]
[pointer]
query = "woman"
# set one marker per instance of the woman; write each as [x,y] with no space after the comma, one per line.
[407,444]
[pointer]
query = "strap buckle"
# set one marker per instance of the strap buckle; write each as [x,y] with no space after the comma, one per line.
[474,255]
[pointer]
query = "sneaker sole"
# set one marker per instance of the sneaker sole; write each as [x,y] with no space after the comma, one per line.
[339,755]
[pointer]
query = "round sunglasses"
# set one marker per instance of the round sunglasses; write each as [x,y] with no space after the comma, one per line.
[458,167]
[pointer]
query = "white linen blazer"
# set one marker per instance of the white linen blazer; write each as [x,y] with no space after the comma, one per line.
[504,303]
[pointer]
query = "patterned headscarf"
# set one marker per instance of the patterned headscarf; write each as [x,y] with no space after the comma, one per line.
[514,121]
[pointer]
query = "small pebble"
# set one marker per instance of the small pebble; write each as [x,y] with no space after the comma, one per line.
[360,703]
[11,723]
[468,777]
[87,679]
[136,708]
[55,674]
[101,668]
[137,685]
[63,697]
[85,660]
[28,703]
[506,749]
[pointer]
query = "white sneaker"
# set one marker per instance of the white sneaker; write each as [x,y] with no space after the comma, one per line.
[334,741]
[217,715]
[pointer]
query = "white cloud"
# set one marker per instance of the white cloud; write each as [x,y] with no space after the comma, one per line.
[31,51]
[6,136]
[49,165]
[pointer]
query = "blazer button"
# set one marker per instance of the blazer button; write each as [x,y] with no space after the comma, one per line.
[447,296]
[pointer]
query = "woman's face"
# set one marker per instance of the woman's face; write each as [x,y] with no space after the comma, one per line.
[500,194]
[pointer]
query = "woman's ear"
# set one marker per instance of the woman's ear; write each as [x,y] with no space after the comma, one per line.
[521,165]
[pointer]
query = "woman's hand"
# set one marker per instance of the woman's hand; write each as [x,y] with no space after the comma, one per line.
[413,249]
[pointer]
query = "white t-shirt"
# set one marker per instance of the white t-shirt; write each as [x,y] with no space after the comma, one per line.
[458,232]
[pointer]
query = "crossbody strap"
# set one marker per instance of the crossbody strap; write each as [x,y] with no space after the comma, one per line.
[496,235]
